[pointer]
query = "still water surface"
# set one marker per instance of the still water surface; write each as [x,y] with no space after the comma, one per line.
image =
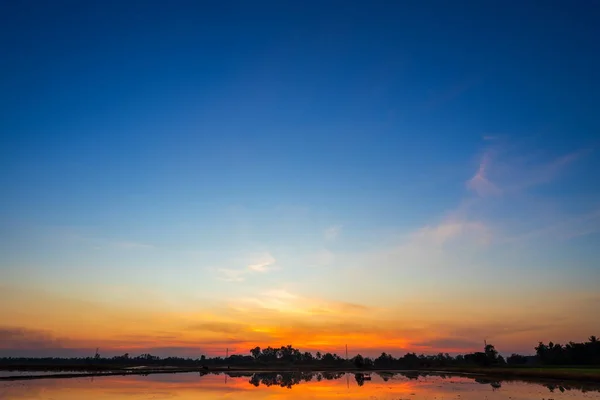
[407,386]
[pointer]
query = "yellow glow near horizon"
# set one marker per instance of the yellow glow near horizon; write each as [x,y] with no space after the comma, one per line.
[50,321]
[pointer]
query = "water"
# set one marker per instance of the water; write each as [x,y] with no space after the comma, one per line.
[37,373]
[407,386]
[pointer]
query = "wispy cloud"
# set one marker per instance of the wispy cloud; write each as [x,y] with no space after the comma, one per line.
[502,205]
[280,294]
[127,245]
[563,228]
[480,183]
[451,229]
[450,93]
[218,327]
[508,174]
[490,137]
[23,338]
[332,232]
[232,275]
[283,301]
[501,171]
[263,263]
[259,263]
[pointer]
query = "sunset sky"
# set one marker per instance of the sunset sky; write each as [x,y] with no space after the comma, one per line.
[184,177]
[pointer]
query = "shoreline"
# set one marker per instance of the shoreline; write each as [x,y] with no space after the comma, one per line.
[584,375]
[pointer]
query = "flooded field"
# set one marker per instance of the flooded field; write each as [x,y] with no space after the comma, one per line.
[4,374]
[327,385]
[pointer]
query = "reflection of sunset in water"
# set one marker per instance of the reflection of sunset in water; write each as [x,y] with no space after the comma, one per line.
[273,386]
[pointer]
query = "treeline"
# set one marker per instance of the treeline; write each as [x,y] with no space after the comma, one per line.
[587,353]
[99,362]
[283,356]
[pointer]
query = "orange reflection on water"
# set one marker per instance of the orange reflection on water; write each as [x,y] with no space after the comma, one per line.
[291,386]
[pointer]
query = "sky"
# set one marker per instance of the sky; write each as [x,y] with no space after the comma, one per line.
[183,178]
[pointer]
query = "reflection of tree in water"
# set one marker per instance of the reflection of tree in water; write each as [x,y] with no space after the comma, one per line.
[360,379]
[562,389]
[283,379]
[289,379]
[386,376]
[238,374]
[494,384]
[411,374]
[331,375]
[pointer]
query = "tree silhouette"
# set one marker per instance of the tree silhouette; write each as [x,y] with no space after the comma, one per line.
[491,353]
[359,361]
[255,352]
[572,353]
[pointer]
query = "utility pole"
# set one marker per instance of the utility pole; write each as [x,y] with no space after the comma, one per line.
[227,353]
[346,352]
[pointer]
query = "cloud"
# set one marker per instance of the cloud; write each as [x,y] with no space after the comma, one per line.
[503,169]
[479,183]
[452,229]
[259,264]
[532,172]
[218,327]
[280,294]
[127,245]
[563,227]
[450,93]
[262,263]
[490,137]
[332,232]
[505,184]
[450,343]
[232,275]
[284,302]
[335,307]
[24,338]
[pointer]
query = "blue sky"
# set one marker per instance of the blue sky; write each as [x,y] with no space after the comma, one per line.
[199,152]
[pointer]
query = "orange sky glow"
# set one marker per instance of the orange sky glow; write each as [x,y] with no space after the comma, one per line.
[52,324]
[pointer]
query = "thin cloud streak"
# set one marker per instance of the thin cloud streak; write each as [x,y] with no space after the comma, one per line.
[451,229]
[231,275]
[480,184]
[500,173]
[263,263]
[332,232]
[260,264]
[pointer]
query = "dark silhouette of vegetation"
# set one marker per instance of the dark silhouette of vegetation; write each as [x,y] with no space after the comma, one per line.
[517,359]
[587,353]
[289,379]
[360,379]
[283,379]
[493,383]
[359,361]
[581,354]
